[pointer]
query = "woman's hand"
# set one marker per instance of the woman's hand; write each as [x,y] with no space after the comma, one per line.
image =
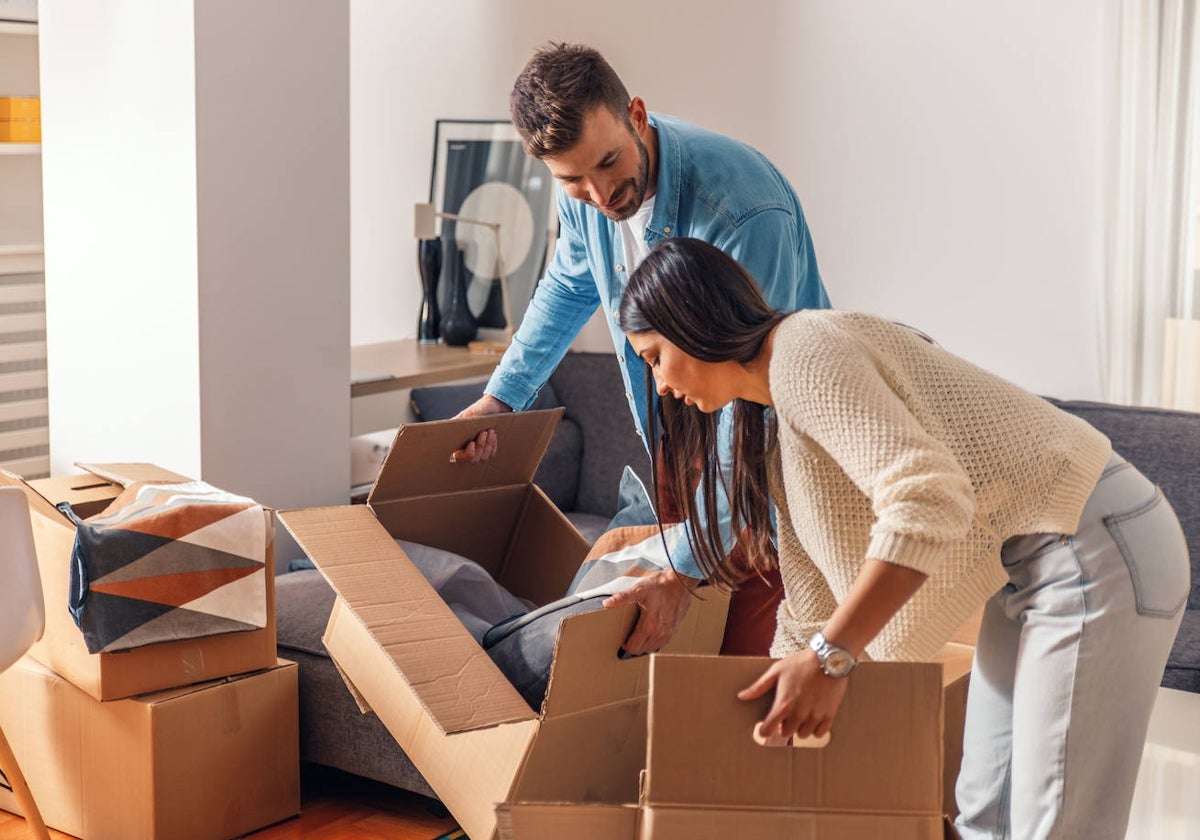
[806,700]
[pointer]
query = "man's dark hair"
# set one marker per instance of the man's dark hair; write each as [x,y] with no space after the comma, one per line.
[559,85]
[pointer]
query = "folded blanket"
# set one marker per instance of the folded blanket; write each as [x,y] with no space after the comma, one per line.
[168,561]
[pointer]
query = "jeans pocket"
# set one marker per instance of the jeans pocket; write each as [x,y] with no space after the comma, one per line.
[1152,543]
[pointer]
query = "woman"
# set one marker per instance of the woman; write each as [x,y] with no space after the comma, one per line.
[912,488]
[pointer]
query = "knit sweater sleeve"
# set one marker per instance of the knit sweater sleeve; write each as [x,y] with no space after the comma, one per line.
[830,391]
[809,602]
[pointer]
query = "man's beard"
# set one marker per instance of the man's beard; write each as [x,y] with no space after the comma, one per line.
[639,185]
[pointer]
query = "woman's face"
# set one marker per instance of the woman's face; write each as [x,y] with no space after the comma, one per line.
[707,385]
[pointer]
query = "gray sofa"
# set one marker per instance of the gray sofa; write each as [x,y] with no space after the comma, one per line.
[581,472]
[1165,446]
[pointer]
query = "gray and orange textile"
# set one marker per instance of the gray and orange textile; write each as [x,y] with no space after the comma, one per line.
[166,562]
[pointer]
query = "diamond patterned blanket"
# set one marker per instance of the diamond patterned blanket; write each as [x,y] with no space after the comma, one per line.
[168,561]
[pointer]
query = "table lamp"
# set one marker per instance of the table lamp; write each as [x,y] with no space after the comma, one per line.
[424,227]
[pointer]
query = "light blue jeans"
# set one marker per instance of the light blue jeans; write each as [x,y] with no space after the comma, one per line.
[1069,659]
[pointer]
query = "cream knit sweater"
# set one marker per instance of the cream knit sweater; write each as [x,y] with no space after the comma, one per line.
[893,449]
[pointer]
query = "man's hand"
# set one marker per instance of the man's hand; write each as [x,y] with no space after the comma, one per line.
[664,600]
[806,700]
[485,444]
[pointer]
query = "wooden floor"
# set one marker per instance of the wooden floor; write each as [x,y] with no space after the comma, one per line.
[334,806]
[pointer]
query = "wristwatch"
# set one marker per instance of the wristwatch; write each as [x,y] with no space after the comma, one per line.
[835,661]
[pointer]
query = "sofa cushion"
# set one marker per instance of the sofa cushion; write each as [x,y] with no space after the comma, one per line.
[1183,665]
[590,386]
[303,602]
[1165,446]
[558,473]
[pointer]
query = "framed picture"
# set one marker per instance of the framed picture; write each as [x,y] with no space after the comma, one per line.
[480,171]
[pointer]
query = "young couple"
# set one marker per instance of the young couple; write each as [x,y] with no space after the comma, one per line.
[909,487]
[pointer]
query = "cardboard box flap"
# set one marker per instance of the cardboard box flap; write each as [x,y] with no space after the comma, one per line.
[126,474]
[586,671]
[449,673]
[884,754]
[418,463]
[38,504]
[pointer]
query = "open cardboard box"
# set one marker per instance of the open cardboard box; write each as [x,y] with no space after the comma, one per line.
[210,761]
[109,676]
[883,772]
[406,656]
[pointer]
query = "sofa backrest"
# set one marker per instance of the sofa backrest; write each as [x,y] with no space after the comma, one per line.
[589,385]
[1165,446]
[581,471]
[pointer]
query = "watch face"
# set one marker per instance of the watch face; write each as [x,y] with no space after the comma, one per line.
[839,663]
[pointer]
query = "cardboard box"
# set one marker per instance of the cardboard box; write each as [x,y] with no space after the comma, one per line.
[879,775]
[885,771]
[406,655]
[110,676]
[207,762]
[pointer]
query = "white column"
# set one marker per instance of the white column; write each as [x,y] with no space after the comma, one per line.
[196,191]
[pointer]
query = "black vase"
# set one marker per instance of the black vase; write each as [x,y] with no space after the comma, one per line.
[429,262]
[459,326]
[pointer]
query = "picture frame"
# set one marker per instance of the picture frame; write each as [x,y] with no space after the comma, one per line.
[480,170]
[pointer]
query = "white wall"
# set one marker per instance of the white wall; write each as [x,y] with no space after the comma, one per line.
[197,205]
[948,154]
[119,192]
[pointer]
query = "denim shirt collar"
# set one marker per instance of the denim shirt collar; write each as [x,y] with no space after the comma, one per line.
[666,184]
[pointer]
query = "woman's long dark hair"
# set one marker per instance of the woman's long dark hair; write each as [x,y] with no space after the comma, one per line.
[702,301]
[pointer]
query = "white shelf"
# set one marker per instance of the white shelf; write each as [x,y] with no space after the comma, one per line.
[20,249]
[20,148]
[14,27]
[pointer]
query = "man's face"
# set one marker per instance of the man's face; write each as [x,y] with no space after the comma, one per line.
[609,168]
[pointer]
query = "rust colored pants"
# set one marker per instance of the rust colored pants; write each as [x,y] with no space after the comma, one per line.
[750,626]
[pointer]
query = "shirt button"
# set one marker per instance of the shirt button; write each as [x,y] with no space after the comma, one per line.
[667,229]
[620,267]
[639,432]
[628,395]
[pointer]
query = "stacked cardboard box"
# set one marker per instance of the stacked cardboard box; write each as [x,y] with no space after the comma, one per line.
[193,738]
[20,119]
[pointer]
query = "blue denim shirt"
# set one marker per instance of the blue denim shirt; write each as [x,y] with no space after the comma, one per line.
[709,187]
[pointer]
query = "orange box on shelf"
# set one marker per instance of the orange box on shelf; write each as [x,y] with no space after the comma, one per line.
[20,131]
[20,108]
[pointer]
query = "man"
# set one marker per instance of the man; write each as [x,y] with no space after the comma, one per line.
[629,179]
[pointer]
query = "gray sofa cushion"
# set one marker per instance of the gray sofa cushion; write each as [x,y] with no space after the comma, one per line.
[1165,446]
[588,385]
[303,602]
[1183,666]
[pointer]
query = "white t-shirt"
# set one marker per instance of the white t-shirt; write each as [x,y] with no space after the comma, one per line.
[633,235]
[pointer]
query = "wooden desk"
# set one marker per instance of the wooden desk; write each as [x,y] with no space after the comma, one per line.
[393,365]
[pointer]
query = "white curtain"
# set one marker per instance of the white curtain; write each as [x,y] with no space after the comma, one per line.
[1151,320]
